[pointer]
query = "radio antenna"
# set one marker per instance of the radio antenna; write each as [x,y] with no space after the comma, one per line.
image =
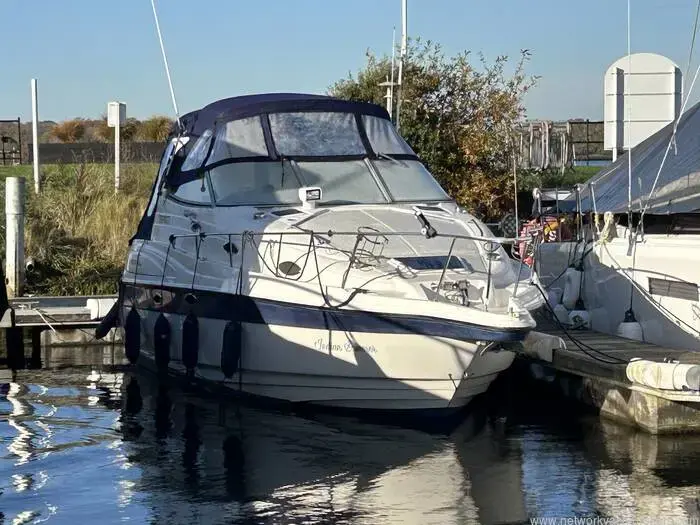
[165,61]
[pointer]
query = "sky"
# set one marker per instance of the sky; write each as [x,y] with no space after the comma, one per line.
[85,53]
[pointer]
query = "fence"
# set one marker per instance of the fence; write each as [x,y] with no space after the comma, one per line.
[544,145]
[10,146]
[97,152]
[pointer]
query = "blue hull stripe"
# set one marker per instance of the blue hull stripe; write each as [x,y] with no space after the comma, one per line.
[247,309]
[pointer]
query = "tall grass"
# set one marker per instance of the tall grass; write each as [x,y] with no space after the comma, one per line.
[77,229]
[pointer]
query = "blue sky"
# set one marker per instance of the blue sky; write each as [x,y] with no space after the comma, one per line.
[87,52]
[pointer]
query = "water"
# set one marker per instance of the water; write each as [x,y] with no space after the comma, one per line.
[87,442]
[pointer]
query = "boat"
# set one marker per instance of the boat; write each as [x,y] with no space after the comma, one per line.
[295,249]
[633,266]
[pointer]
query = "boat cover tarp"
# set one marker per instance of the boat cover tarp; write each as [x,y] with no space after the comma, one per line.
[195,122]
[678,187]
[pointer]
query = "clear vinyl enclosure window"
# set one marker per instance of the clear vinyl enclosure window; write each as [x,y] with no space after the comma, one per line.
[198,153]
[316,134]
[346,182]
[195,191]
[238,138]
[384,138]
[317,148]
[255,184]
[409,180]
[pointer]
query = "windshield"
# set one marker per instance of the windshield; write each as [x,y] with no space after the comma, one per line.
[264,160]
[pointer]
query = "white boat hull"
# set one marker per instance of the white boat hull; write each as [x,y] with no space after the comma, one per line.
[335,368]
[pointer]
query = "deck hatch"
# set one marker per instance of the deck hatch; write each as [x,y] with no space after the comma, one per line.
[676,289]
[435,262]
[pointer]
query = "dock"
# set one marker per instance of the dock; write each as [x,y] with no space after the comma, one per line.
[597,370]
[65,312]
[51,321]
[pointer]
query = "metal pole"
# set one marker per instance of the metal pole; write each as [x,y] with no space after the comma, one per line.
[35,134]
[117,150]
[14,235]
[19,138]
[629,118]
[515,186]
[391,86]
[404,29]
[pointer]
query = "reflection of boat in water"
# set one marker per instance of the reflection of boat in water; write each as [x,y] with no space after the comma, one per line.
[245,465]
[296,248]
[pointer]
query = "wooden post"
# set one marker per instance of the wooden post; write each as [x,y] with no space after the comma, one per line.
[14,236]
[36,347]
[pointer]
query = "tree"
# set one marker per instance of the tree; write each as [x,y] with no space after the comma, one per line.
[458,118]
[69,130]
[156,129]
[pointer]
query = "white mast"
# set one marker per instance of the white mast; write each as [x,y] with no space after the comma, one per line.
[404,30]
[391,86]
[629,117]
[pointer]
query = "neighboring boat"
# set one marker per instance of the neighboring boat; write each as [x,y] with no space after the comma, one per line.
[296,248]
[636,273]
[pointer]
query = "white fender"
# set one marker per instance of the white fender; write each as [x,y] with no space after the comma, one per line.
[572,284]
[665,376]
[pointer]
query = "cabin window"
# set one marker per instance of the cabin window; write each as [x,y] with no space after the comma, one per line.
[199,151]
[342,182]
[383,137]
[238,138]
[255,184]
[195,191]
[409,180]
[316,134]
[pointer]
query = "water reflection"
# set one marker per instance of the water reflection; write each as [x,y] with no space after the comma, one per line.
[584,466]
[93,443]
[251,465]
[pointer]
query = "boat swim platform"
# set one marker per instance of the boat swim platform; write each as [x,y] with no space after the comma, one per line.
[596,373]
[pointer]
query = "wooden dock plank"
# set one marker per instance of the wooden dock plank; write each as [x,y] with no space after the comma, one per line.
[595,373]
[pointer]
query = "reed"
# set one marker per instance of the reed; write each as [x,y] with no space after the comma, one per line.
[77,229]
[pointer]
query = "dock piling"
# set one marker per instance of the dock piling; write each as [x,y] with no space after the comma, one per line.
[36,347]
[14,235]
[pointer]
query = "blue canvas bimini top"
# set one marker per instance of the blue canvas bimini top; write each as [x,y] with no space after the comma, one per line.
[195,122]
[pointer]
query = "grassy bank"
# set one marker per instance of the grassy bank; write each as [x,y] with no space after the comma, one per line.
[77,229]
